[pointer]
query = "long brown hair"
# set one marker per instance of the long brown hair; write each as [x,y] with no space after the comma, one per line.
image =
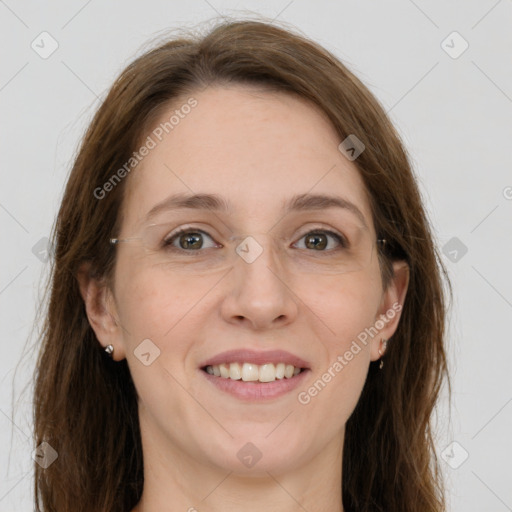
[85,405]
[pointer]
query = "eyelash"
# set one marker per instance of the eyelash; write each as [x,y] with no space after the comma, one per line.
[167,242]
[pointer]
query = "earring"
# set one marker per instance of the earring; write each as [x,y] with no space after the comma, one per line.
[109,349]
[381,365]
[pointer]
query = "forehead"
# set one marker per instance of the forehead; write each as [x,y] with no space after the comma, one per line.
[255,148]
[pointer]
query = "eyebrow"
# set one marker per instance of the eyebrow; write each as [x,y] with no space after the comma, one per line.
[214,202]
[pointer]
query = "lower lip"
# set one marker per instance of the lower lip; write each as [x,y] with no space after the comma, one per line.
[255,390]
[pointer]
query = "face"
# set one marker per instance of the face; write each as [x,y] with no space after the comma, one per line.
[256,284]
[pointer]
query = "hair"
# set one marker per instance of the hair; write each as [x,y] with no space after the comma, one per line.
[85,404]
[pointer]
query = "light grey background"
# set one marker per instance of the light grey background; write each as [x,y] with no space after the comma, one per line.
[453,113]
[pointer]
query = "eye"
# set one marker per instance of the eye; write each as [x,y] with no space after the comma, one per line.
[319,240]
[187,239]
[192,240]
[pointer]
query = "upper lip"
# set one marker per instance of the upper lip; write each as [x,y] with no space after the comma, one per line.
[255,357]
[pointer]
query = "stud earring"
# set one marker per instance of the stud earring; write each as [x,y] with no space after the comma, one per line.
[381,352]
[109,349]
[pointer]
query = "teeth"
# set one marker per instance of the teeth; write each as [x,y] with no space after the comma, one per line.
[224,370]
[235,372]
[267,373]
[249,372]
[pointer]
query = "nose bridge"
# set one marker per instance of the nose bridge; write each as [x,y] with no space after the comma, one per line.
[257,246]
[259,291]
[259,255]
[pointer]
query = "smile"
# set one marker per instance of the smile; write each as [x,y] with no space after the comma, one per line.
[254,375]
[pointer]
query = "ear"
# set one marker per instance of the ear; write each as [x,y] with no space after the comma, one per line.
[391,306]
[101,311]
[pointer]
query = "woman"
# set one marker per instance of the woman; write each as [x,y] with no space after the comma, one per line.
[246,306]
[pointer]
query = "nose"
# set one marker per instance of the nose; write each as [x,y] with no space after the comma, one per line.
[259,289]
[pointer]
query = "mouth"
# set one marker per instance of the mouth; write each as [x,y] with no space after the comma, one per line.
[251,375]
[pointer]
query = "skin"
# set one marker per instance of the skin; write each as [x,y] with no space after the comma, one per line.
[256,149]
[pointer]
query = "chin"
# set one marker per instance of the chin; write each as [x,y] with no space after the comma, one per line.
[257,455]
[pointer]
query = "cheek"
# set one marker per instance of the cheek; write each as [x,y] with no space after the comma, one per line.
[346,304]
[151,302]
[157,307]
[144,306]
[166,308]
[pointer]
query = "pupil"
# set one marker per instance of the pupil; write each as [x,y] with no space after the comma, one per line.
[195,237]
[314,239]
[193,241]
